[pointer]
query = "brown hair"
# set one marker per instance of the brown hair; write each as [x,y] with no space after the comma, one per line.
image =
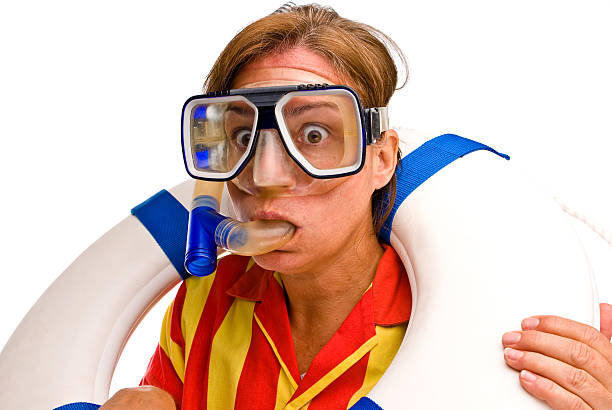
[359,53]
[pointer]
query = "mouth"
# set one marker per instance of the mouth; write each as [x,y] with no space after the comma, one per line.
[271,216]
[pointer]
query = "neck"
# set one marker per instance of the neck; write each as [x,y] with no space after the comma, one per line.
[340,282]
[320,300]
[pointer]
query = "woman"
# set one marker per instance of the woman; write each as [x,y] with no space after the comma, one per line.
[317,322]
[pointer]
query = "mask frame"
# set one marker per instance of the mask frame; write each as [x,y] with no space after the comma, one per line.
[267,103]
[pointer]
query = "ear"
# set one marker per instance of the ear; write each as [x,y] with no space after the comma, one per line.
[385,159]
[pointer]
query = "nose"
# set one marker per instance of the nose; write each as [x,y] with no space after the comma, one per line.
[272,167]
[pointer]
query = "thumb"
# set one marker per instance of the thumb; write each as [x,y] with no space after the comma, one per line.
[605,318]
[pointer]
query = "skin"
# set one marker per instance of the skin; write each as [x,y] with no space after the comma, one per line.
[325,275]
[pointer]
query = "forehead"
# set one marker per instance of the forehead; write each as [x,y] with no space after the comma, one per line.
[295,66]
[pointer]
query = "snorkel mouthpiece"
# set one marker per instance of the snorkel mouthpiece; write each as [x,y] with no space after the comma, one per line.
[252,238]
[208,230]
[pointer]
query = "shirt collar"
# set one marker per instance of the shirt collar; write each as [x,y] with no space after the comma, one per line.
[392,299]
[252,284]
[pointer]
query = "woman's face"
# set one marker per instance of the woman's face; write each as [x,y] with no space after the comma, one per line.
[331,215]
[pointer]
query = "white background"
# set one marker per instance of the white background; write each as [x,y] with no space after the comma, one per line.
[91,92]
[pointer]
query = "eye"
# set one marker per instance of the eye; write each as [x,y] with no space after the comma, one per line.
[242,136]
[314,134]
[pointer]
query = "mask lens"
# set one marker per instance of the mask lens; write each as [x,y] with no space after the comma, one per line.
[221,133]
[324,129]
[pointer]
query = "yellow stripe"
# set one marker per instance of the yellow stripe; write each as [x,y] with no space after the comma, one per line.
[172,350]
[278,356]
[284,390]
[198,289]
[229,348]
[390,338]
[278,278]
[333,374]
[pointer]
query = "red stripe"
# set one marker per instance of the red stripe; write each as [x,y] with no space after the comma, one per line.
[161,373]
[272,313]
[338,394]
[259,378]
[217,305]
[176,333]
[356,329]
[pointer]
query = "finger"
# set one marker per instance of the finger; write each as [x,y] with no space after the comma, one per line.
[575,381]
[550,392]
[140,398]
[573,330]
[605,326]
[572,352]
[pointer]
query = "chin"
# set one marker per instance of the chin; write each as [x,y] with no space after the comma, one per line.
[281,261]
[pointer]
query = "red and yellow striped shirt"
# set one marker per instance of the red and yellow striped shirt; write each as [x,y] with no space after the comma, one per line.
[226,342]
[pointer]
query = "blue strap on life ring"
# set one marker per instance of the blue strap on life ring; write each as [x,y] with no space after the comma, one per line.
[166,220]
[425,161]
[78,406]
[365,403]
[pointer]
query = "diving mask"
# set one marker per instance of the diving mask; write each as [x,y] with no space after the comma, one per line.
[319,129]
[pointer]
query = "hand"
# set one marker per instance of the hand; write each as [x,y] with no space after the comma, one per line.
[140,398]
[562,362]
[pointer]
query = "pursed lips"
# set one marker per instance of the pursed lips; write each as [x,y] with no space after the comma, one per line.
[271,216]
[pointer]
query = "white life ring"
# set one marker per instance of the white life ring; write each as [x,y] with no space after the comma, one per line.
[482,247]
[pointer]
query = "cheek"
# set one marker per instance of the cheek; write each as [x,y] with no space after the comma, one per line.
[333,217]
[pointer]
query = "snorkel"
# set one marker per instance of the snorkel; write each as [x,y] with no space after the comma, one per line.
[209,230]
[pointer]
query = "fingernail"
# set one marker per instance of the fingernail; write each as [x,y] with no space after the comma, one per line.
[528,376]
[530,323]
[513,354]
[511,338]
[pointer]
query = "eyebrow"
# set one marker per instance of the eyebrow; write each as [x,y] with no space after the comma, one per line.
[240,110]
[300,109]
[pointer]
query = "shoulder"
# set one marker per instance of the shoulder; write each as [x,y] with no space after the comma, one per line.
[196,292]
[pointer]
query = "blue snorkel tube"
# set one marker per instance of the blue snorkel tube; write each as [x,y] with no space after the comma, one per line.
[209,230]
[201,251]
